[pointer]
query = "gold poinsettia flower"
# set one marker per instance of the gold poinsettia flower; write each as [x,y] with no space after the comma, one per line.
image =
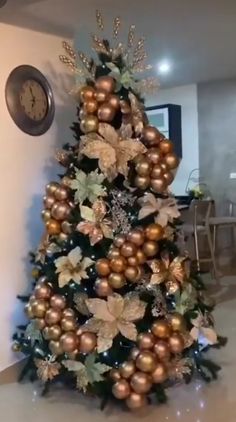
[47,369]
[166,209]
[72,267]
[95,225]
[165,270]
[116,315]
[113,153]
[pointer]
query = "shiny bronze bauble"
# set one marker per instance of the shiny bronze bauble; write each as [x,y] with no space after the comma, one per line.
[28,311]
[159,375]
[164,167]
[127,369]
[169,177]
[48,202]
[73,355]
[87,342]
[161,329]
[162,350]
[156,172]
[69,342]
[82,114]
[131,273]
[134,353]
[106,113]
[119,240]
[171,160]
[158,185]
[105,83]
[143,167]
[114,101]
[51,188]
[55,348]
[90,106]
[146,361]
[58,302]
[150,248]
[177,322]
[133,261]
[63,237]
[116,280]
[40,323]
[46,215]
[53,316]
[114,374]
[66,227]
[121,389]
[42,291]
[142,182]
[113,252]
[136,401]
[68,312]
[125,107]
[101,96]
[46,333]
[102,287]
[154,155]
[128,249]
[60,210]
[118,264]
[66,181]
[166,146]
[141,256]
[145,341]
[151,135]
[136,236]
[176,343]
[87,93]
[61,193]
[39,308]
[54,332]
[103,267]
[154,232]
[89,124]
[140,274]
[141,382]
[68,324]
[53,227]
[32,299]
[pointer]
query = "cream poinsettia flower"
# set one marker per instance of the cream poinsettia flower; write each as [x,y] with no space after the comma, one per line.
[72,267]
[166,209]
[202,332]
[114,316]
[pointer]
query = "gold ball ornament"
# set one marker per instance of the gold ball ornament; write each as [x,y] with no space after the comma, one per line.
[118,264]
[46,215]
[119,240]
[28,311]
[15,347]
[53,316]
[125,107]
[157,171]
[90,106]
[166,146]
[164,166]
[103,267]
[66,181]
[101,96]
[40,323]
[133,261]
[154,155]
[60,210]
[113,252]
[136,236]
[141,382]
[63,237]
[89,124]
[116,280]
[131,273]
[151,135]
[68,312]
[61,193]
[46,333]
[82,114]
[69,342]
[66,227]
[142,182]
[162,350]
[54,332]
[53,227]
[106,112]
[145,341]
[150,248]
[51,188]
[58,302]
[177,322]
[158,185]
[42,291]
[39,308]
[159,374]
[48,202]
[114,101]
[143,167]
[128,249]
[146,361]
[171,160]
[87,93]
[136,401]
[134,353]
[68,324]
[127,369]
[161,329]
[115,374]
[32,299]
[87,342]
[105,83]
[121,389]
[102,287]
[55,348]
[176,343]
[140,255]
[154,232]
[169,177]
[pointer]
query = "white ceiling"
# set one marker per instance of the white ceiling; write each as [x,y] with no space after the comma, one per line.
[198,36]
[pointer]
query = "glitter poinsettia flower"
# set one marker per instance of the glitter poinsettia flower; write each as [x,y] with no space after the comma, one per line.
[164,270]
[47,369]
[113,153]
[166,209]
[202,331]
[116,315]
[72,267]
[95,225]
[87,186]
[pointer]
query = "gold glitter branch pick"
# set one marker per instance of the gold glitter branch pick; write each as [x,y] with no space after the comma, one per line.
[69,50]
[99,20]
[68,62]
[116,27]
[131,35]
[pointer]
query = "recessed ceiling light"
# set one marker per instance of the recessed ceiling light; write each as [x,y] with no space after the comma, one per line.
[164,67]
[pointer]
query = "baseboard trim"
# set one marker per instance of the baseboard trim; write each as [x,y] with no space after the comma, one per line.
[11,374]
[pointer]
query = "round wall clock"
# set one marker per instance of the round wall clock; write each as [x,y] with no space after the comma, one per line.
[30,100]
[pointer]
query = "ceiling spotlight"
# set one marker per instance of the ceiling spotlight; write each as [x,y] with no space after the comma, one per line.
[164,67]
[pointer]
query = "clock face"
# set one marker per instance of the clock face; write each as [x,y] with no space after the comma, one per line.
[33,100]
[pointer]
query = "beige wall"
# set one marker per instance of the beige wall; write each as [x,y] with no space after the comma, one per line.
[26,165]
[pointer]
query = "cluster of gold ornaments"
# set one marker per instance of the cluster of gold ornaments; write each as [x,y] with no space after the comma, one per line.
[126,258]
[149,361]
[57,322]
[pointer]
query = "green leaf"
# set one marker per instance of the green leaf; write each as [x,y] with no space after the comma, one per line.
[95,370]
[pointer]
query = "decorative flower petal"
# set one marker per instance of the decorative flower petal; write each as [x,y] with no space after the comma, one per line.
[87,262]
[194,333]
[95,236]
[93,325]
[87,213]
[75,256]
[127,330]
[115,304]
[134,308]
[209,334]
[98,307]
[85,227]
[108,330]
[104,344]
[64,278]
[61,263]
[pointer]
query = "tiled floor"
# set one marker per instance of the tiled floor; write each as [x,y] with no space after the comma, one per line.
[197,402]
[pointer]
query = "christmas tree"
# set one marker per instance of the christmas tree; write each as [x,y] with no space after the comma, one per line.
[115,309]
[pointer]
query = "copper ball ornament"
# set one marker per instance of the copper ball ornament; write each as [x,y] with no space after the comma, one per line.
[105,83]
[118,264]
[53,316]
[128,249]
[121,389]
[142,182]
[51,188]
[46,333]
[114,101]
[177,322]
[39,308]
[150,248]
[154,155]
[103,267]
[61,193]
[156,172]
[164,167]
[171,160]
[143,167]
[53,227]
[141,382]
[101,96]
[114,374]
[136,401]
[69,342]
[168,176]
[131,273]
[54,332]
[116,280]
[146,361]
[151,135]
[28,311]
[154,232]
[176,343]
[162,350]
[113,252]
[89,124]
[136,236]
[140,255]
[158,185]
[134,353]
[102,287]
[68,324]
[60,210]
[46,215]
[166,146]
[133,261]
[48,201]
[42,291]
[106,113]
[40,323]
[87,93]
[159,375]
[87,342]
[161,329]
[145,341]
[125,107]
[119,240]
[127,369]
[90,106]
[58,302]
[63,237]
[66,227]
[68,312]
[55,348]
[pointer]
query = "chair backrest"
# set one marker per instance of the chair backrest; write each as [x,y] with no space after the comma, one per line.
[200,211]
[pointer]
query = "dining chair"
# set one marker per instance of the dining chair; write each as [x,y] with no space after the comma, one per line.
[227,221]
